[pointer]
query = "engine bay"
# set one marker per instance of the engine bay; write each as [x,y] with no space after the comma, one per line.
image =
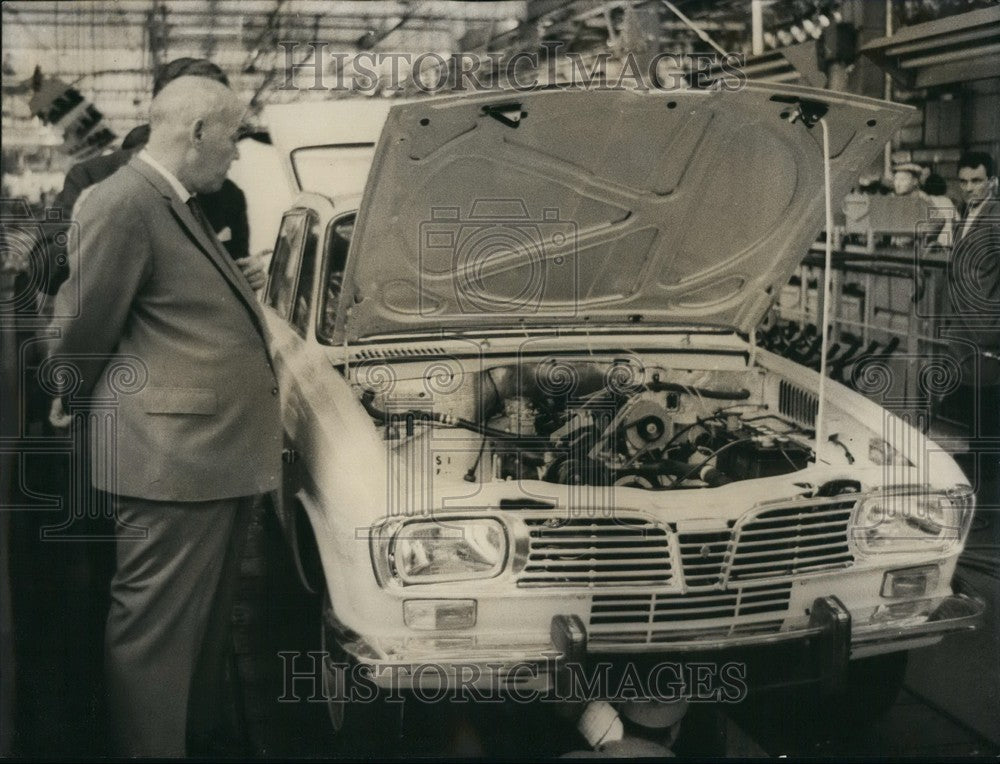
[586,422]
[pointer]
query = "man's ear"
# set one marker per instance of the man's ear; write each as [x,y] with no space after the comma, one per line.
[198,129]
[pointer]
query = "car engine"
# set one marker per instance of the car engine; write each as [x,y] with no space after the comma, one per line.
[592,423]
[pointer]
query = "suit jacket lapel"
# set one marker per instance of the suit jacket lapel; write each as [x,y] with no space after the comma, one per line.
[206,243]
[988,211]
[210,245]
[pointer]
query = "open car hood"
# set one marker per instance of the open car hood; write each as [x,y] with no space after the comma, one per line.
[556,207]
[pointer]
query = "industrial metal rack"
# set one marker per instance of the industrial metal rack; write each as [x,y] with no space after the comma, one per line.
[887,285]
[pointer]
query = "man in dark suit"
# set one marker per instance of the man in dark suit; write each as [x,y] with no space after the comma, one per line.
[972,314]
[978,181]
[195,437]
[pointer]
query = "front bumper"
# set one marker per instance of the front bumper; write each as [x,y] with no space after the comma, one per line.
[814,648]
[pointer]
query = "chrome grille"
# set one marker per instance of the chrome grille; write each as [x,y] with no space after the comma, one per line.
[793,539]
[601,551]
[653,618]
[631,550]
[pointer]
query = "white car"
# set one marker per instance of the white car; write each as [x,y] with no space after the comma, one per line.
[528,426]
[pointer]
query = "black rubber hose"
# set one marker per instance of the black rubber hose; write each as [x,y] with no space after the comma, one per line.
[431,416]
[725,395]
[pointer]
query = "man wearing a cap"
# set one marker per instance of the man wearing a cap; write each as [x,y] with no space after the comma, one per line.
[906,180]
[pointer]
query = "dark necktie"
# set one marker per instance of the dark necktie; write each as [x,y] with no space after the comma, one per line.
[199,215]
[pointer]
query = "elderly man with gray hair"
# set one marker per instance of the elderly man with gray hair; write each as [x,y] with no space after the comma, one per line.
[196,437]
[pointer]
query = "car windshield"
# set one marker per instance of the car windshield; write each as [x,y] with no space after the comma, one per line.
[333,171]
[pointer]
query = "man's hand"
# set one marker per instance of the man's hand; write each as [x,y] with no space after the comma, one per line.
[264,258]
[58,417]
[253,269]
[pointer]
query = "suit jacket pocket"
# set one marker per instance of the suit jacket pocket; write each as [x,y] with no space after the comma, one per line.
[180,400]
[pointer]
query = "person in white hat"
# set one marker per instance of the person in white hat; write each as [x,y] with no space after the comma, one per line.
[906,180]
[630,728]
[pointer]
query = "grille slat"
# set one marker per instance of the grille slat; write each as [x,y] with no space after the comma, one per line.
[625,522]
[697,565]
[827,520]
[582,579]
[770,517]
[615,616]
[603,546]
[608,565]
[780,546]
[714,541]
[782,536]
[596,531]
[807,560]
[682,608]
[588,578]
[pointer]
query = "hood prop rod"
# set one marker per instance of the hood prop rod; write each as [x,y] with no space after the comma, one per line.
[827,269]
[809,113]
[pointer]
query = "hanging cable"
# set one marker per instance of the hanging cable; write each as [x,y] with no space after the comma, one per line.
[694,28]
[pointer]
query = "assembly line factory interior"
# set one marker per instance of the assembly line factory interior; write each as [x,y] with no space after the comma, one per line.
[512,380]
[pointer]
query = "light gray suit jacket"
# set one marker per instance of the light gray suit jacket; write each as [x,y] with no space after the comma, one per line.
[169,344]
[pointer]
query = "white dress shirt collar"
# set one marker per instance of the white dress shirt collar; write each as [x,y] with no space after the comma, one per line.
[175,184]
